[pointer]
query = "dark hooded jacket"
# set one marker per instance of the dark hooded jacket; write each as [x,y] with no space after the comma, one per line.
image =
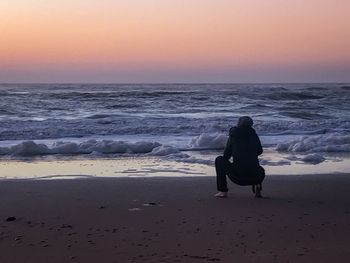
[244,146]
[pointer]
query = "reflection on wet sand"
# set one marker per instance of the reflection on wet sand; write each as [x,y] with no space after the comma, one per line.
[65,168]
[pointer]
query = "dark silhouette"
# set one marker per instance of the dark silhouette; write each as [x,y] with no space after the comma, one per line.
[244,146]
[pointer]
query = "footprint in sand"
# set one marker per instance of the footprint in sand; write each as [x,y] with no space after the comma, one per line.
[152,204]
[134,209]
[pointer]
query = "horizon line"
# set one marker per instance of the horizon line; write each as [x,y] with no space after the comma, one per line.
[176,83]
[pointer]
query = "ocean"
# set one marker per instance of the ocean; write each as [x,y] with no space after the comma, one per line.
[307,123]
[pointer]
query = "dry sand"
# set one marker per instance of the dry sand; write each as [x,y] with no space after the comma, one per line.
[301,219]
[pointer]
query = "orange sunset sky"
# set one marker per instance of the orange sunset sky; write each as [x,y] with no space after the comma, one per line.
[174,40]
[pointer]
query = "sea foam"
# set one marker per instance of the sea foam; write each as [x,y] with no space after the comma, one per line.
[319,143]
[30,148]
[209,141]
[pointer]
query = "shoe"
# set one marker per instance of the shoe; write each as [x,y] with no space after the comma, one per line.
[221,194]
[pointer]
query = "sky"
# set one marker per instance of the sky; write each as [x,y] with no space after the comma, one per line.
[139,41]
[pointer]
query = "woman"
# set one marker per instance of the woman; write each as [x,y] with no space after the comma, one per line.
[244,146]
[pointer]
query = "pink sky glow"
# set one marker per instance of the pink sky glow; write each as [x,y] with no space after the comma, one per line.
[174,41]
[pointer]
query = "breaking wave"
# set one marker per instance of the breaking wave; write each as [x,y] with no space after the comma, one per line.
[315,144]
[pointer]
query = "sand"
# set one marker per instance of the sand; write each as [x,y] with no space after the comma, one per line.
[301,219]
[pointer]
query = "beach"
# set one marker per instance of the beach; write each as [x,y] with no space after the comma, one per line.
[303,218]
[125,173]
[119,121]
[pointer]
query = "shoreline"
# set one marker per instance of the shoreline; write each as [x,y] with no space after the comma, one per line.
[301,219]
[201,164]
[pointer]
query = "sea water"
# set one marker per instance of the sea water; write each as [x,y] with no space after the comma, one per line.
[187,123]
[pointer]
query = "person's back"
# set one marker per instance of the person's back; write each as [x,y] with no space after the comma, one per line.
[244,146]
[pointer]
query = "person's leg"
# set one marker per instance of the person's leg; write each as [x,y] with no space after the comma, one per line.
[258,185]
[222,167]
[258,191]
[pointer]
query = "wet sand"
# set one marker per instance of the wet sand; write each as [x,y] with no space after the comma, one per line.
[301,219]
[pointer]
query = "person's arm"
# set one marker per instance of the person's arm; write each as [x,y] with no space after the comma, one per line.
[228,149]
[259,149]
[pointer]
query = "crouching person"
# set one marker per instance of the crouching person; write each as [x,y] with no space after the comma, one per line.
[244,146]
